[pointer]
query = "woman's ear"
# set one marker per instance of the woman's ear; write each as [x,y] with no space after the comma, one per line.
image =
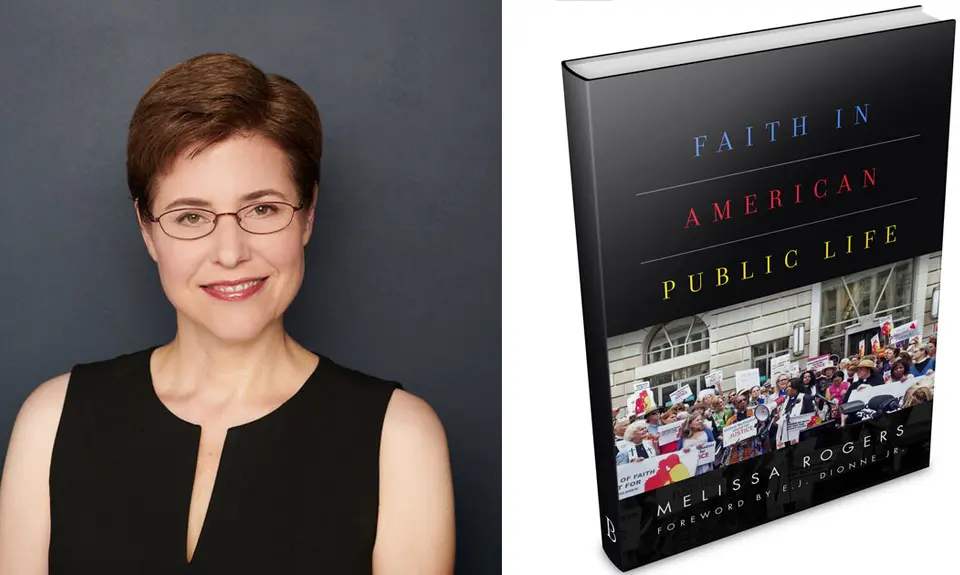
[308,227]
[146,230]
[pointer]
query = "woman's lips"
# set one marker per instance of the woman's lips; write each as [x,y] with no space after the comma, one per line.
[235,292]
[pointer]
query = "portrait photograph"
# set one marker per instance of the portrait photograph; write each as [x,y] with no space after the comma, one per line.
[253,287]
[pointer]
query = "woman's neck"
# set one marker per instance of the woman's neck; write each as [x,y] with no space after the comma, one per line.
[197,360]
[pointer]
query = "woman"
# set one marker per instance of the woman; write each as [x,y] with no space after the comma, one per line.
[898,372]
[783,380]
[232,448]
[838,388]
[809,379]
[694,436]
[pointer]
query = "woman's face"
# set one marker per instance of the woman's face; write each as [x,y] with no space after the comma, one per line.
[696,423]
[224,178]
[897,371]
[807,378]
[782,382]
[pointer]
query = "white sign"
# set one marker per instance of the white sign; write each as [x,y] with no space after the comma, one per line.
[669,433]
[681,394]
[641,385]
[708,453]
[641,402]
[715,379]
[798,423]
[794,369]
[649,474]
[904,333]
[896,389]
[737,432]
[747,378]
[817,363]
[779,365]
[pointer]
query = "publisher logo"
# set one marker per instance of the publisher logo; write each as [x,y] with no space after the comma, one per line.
[611,530]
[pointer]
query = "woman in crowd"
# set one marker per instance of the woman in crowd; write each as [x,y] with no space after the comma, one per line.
[783,380]
[898,372]
[695,436]
[747,448]
[838,388]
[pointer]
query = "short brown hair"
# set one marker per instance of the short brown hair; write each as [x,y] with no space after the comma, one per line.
[211,98]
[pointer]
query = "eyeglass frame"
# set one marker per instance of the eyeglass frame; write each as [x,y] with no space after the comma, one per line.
[216,219]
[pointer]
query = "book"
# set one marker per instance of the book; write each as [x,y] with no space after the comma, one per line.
[759,223]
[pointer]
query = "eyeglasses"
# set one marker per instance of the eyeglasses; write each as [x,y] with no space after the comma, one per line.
[195,223]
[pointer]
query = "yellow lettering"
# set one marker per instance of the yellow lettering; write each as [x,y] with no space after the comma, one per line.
[786,259]
[849,244]
[891,233]
[768,264]
[722,275]
[668,287]
[868,237]
[700,277]
[829,255]
[745,276]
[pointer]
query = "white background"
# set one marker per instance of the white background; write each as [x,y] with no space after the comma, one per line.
[550,513]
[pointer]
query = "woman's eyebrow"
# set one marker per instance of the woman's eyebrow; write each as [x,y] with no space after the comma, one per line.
[201,203]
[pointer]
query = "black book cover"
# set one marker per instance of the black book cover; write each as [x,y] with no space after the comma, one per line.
[748,227]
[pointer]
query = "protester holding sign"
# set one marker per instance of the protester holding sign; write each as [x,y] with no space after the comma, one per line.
[695,436]
[742,450]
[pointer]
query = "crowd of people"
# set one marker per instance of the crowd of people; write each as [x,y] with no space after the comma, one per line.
[821,393]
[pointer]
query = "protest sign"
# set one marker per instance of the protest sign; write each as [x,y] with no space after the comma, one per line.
[875,344]
[817,363]
[708,453]
[793,369]
[669,433]
[896,389]
[641,402]
[797,423]
[715,379]
[779,365]
[736,432]
[747,378]
[649,474]
[862,348]
[639,385]
[681,394]
[904,333]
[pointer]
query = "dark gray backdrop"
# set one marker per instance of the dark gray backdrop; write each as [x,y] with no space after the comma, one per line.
[403,270]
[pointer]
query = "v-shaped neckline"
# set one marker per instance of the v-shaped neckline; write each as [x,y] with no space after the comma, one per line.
[197,430]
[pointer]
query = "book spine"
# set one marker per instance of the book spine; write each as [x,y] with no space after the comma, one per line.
[580,141]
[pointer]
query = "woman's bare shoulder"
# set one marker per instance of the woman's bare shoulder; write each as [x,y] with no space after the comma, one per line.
[39,415]
[406,410]
[415,529]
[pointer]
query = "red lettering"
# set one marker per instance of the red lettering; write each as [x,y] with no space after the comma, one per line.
[692,218]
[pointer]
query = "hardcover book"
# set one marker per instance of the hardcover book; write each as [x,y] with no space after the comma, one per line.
[759,222]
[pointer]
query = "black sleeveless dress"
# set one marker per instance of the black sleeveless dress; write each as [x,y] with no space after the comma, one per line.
[296,490]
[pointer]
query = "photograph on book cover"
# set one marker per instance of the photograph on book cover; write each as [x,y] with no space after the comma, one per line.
[717,388]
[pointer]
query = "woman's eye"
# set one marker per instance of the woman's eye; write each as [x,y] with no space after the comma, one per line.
[190,219]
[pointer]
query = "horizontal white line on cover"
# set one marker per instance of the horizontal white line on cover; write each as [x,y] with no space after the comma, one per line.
[777,165]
